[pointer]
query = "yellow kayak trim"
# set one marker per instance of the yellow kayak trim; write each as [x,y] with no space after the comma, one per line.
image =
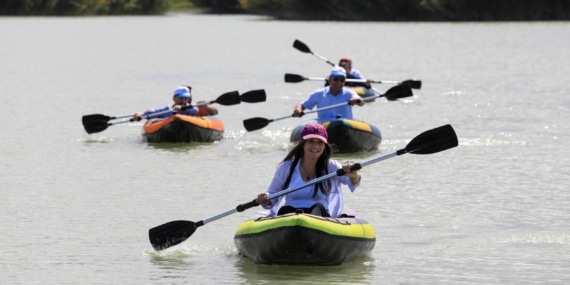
[358,125]
[338,227]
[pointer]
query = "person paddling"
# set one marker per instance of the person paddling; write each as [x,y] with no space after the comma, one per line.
[182,105]
[333,94]
[351,73]
[308,159]
[346,63]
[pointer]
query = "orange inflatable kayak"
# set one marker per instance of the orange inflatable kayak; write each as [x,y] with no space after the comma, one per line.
[182,128]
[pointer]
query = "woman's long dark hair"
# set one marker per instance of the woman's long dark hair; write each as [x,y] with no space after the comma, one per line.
[296,154]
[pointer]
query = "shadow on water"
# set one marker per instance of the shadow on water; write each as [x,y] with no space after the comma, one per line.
[181,147]
[358,272]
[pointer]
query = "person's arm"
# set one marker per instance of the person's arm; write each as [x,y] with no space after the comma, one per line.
[308,103]
[356,74]
[207,110]
[138,115]
[355,99]
[354,176]
[298,111]
[335,197]
[211,110]
[351,179]
[275,186]
[281,174]
[187,110]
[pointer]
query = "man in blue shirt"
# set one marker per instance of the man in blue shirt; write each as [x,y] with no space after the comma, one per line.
[333,94]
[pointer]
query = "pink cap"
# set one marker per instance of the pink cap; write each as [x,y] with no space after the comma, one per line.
[314,131]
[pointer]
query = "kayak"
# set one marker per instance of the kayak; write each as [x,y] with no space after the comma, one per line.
[363,91]
[183,128]
[304,239]
[346,135]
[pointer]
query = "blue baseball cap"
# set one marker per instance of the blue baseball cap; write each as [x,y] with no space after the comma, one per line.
[337,71]
[182,92]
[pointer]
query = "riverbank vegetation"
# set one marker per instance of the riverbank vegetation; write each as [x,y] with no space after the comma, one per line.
[412,10]
[82,7]
[318,10]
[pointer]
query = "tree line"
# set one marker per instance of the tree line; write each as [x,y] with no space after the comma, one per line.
[318,10]
[82,7]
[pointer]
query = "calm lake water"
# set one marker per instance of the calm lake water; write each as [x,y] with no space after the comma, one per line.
[76,208]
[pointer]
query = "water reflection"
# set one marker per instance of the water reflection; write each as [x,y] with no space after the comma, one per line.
[182,147]
[193,262]
[357,272]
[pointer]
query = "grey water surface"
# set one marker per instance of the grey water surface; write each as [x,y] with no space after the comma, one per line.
[76,208]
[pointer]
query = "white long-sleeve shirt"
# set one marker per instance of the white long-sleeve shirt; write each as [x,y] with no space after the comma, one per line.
[303,198]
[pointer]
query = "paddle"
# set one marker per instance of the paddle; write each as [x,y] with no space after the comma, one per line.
[98,122]
[253,96]
[396,92]
[304,48]
[428,142]
[416,84]
[296,78]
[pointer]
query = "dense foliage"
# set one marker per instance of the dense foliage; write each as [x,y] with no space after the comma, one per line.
[82,7]
[412,10]
[333,10]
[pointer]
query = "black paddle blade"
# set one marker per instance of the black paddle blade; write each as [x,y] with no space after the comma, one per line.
[96,117]
[301,46]
[229,98]
[170,234]
[254,96]
[95,123]
[95,126]
[293,78]
[415,84]
[256,123]
[399,91]
[434,140]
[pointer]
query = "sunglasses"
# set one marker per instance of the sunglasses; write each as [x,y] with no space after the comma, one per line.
[338,78]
